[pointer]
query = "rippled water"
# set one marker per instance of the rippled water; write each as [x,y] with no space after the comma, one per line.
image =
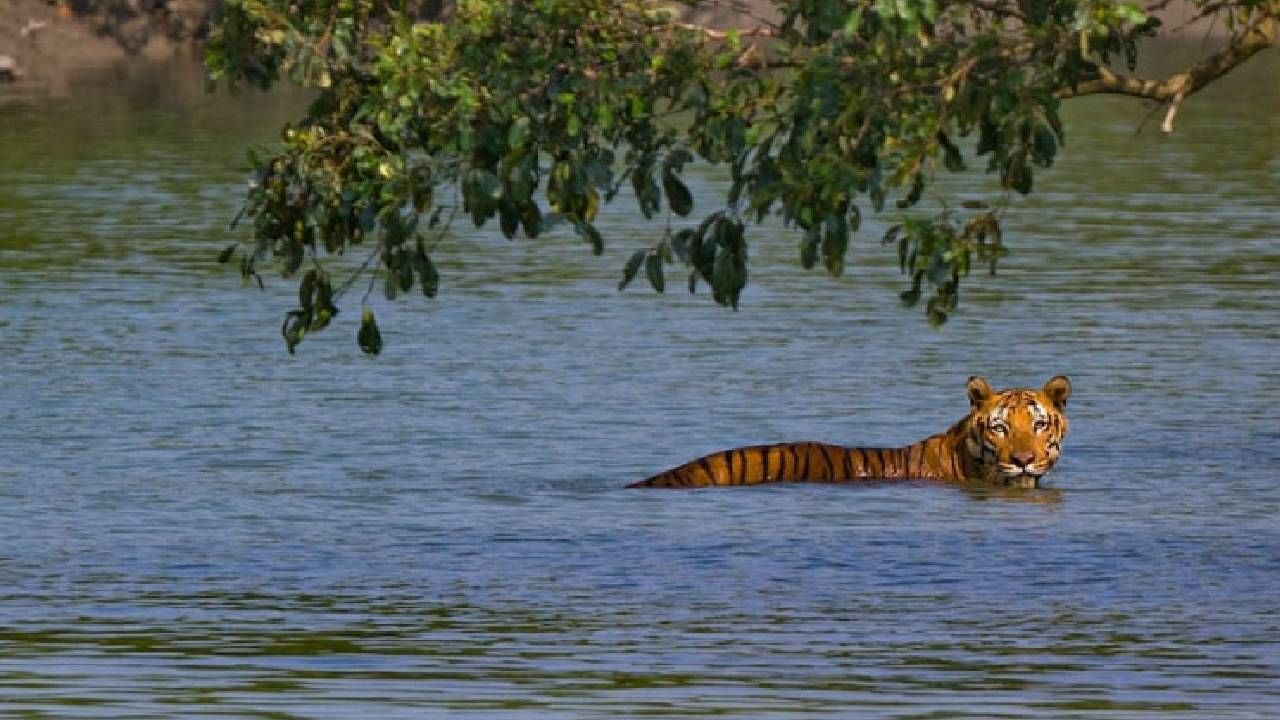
[194,523]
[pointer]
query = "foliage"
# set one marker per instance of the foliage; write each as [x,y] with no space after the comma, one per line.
[536,112]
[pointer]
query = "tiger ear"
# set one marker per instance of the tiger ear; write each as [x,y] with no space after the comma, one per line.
[979,390]
[1058,389]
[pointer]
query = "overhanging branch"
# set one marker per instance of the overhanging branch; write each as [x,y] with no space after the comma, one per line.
[1258,36]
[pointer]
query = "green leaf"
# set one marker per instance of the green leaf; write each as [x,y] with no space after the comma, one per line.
[876,190]
[653,268]
[1018,174]
[428,277]
[835,242]
[680,244]
[729,270]
[294,254]
[518,133]
[910,297]
[632,267]
[809,248]
[406,275]
[914,195]
[390,285]
[321,320]
[646,188]
[952,160]
[324,295]
[1044,146]
[307,289]
[530,219]
[588,232]
[679,199]
[508,219]
[296,323]
[368,337]
[227,252]
[852,22]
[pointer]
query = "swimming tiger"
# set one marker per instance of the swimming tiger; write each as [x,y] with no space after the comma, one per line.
[1012,437]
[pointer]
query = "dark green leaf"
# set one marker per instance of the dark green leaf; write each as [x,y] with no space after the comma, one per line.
[679,199]
[531,219]
[368,217]
[645,187]
[324,295]
[951,157]
[835,241]
[632,267]
[809,248]
[406,275]
[988,136]
[912,296]
[428,277]
[321,320]
[588,232]
[294,328]
[368,336]
[914,195]
[518,132]
[680,243]
[875,191]
[653,268]
[508,219]
[294,254]
[227,252]
[307,289]
[1044,146]
[1018,174]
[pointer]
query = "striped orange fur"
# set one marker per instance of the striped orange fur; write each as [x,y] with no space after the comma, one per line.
[1011,437]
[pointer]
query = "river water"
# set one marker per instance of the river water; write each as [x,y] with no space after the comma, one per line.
[194,523]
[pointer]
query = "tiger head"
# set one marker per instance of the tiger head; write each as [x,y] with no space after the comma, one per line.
[1015,436]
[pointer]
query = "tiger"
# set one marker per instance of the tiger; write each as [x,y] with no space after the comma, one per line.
[1009,438]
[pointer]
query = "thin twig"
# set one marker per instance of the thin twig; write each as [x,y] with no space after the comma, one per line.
[1146,119]
[448,222]
[351,280]
[758,31]
[373,276]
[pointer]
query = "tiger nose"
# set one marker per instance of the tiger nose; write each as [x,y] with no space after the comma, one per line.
[1023,459]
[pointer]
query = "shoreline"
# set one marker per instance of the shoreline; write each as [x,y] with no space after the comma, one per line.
[45,45]
[48,46]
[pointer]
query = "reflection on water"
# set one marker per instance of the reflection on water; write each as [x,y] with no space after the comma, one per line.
[194,523]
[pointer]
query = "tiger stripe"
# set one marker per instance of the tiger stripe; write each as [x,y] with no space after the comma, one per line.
[1012,436]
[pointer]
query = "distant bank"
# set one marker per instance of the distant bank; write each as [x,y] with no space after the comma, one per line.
[45,42]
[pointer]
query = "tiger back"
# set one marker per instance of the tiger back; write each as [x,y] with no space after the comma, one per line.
[1011,437]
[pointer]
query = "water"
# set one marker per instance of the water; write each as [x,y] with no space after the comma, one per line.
[194,523]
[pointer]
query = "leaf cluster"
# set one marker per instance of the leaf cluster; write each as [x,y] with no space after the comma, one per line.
[536,114]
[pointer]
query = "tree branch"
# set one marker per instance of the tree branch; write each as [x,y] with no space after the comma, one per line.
[723,34]
[1258,36]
